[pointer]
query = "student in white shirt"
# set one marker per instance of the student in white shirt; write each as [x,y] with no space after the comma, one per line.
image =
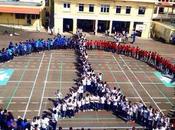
[102,102]
[64,110]
[87,102]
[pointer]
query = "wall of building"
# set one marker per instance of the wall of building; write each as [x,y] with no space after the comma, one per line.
[10,19]
[74,14]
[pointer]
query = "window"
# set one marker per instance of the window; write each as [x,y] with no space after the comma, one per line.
[155,10]
[66,5]
[91,8]
[20,16]
[161,10]
[35,16]
[118,9]
[47,2]
[81,7]
[128,9]
[142,10]
[105,8]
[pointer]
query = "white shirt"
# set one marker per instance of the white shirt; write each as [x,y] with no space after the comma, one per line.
[84,82]
[100,76]
[79,103]
[44,122]
[80,89]
[55,116]
[64,107]
[88,82]
[83,102]
[59,95]
[96,99]
[87,100]
[103,100]
[33,125]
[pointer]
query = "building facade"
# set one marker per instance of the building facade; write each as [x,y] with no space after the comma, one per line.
[164,10]
[97,16]
[22,13]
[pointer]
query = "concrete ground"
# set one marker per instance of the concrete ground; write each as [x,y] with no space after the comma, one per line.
[37,77]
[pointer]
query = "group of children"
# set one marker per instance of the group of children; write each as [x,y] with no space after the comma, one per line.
[151,58]
[8,122]
[121,37]
[91,93]
[29,46]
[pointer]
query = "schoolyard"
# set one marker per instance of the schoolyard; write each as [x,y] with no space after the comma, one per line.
[36,78]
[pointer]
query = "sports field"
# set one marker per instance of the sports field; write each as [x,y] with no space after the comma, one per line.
[36,78]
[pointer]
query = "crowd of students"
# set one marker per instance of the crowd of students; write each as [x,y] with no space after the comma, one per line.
[91,93]
[151,58]
[29,46]
[121,37]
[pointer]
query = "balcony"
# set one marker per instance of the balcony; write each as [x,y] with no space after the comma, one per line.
[164,16]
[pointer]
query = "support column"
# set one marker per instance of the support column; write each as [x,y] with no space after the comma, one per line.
[96,26]
[110,27]
[58,28]
[74,26]
[157,11]
[131,27]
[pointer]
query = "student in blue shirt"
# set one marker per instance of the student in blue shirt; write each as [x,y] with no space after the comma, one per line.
[9,53]
[36,46]
[21,49]
[1,60]
[29,48]
[48,44]
[24,48]
[40,45]
[10,45]
[133,36]
[17,51]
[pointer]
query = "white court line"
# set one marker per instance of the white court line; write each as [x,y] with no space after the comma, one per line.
[20,81]
[102,128]
[129,80]
[31,93]
[44,88]
[73,82]
[155,85]
[75,70]
[55,97]
[15,97]
[113,76]
[142,85]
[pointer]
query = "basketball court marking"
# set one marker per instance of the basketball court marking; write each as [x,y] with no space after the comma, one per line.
[166,81]
[17,86]
[44,88]
[128,80]
[101,128]
[141,85]
[154,83]
[31,93]
[5,75]
[159,90]
[96,117]
[61,74]
[113,75]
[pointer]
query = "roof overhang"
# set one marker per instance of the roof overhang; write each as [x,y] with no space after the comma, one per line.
[166,4]
[18,10]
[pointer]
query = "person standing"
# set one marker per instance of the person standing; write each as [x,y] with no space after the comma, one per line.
[133,36]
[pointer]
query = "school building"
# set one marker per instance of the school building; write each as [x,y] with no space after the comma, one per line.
[94,16]
[164,10]
[100,15]
[22,13]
